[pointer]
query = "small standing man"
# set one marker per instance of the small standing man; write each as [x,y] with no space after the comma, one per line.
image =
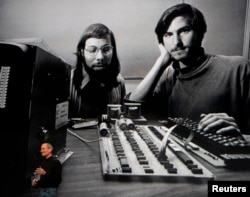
[48,175]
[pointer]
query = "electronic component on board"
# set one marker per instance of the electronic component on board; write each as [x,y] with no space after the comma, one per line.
[114,110]
[132,110]
[122,124]
[130,124]
[103,129]
[126,124]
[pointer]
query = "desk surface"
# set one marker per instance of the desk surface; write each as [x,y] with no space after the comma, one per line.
[82,175]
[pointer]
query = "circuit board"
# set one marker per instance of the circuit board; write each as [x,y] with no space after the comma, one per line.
[134,154]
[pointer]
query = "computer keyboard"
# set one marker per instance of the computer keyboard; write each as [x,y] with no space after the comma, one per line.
[232,149]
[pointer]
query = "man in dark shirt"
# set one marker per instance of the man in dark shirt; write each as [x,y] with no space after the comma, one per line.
[48,175]
[186,82]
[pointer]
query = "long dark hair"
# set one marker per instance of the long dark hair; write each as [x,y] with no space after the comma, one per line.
[109,75]
[198,21]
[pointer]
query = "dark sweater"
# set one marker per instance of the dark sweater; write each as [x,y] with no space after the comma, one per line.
[220,84]
[53,176]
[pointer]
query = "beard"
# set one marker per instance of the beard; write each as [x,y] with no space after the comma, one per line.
[103,76]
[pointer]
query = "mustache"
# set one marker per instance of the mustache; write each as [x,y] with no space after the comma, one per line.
[99,62]
[177,49]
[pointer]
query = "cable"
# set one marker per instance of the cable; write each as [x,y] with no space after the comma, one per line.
[82,139]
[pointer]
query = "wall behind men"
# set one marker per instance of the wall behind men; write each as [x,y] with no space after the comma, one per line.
[61,22]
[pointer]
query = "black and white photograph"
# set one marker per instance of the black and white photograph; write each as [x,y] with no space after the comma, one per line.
[125,98]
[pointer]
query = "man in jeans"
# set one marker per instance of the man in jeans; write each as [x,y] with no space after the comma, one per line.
[48,175]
